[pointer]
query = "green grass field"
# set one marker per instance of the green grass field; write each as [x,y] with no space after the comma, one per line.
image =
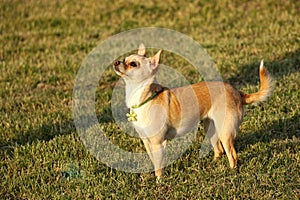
[42,46]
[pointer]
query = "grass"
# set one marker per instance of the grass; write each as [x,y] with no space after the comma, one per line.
[42,46]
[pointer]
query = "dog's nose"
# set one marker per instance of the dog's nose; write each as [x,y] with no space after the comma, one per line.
[116,63]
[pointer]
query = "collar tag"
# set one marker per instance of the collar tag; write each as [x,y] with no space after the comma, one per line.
[131,116]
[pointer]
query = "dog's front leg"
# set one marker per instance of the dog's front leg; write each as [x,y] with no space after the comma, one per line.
[156,152]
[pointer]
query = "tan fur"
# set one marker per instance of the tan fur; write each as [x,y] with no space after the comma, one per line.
[173,112]
[264,91]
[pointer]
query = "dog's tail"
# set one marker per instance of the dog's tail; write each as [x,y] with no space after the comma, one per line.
[265,90]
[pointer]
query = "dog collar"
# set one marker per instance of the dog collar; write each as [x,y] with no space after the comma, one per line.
[131,116]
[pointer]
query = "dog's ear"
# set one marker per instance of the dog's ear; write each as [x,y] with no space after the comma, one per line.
[142,50]
[155,59]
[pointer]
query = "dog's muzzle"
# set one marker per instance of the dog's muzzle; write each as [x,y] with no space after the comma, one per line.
[117,67]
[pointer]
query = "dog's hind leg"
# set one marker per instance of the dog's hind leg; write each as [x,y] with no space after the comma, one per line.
[228,129]
[210,130]
[218,150]
[228,144]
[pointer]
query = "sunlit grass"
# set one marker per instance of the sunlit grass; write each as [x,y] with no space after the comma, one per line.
[42,46]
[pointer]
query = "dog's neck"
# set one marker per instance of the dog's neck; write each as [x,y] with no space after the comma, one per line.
[136,92]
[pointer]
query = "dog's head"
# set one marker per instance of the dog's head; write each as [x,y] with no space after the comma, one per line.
[137,67]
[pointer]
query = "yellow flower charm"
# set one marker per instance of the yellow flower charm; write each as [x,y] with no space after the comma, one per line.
[131,116]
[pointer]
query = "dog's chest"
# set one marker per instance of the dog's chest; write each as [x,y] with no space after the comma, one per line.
[155,119]
[150,120]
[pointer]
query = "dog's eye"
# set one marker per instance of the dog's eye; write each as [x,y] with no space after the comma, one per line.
[133,64]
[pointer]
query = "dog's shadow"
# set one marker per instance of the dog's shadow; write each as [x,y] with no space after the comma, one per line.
[45,132]
[279,130]
[286,65]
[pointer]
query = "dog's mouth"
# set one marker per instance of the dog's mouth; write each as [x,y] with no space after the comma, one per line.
[116,68]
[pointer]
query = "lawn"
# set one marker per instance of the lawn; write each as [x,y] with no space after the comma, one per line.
[43,46]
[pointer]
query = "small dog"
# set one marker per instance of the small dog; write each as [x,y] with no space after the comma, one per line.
[159,114]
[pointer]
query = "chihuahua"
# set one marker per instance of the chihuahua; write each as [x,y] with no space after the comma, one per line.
[159,114]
